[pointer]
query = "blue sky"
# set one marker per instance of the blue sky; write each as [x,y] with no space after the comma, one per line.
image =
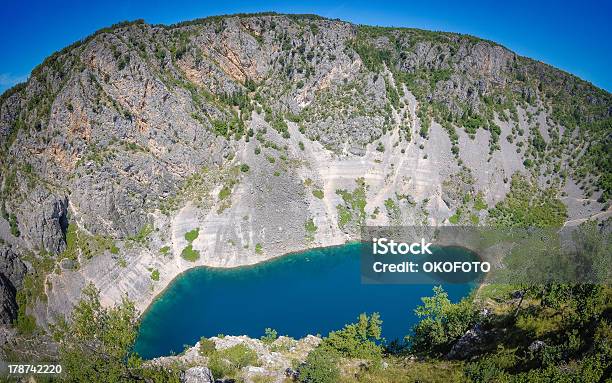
[573,36]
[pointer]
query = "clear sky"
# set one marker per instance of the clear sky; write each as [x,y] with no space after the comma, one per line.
[574,36]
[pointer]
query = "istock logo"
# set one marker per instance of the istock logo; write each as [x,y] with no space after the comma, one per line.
[382,246]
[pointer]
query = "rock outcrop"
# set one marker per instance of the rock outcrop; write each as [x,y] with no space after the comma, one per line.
[8,305]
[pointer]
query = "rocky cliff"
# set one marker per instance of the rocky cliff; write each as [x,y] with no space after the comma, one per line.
[144,150]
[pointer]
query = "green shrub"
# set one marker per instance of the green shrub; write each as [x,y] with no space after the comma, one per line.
[442,323]
[310,227]
[244,168]
[454,219]
[224,193]
[190,254]
[318,193]
[26,324]
[143,234]
[479,202]
[320,367]
[270,335]
[228,362]
[155,275]
[357,340]
[207,347]
[344,216]
[190,236]
[258,248]
[14,226]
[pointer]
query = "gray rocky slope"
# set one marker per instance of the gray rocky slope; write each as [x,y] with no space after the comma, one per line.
[266,134]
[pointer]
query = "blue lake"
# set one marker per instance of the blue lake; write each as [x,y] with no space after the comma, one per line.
[313,292]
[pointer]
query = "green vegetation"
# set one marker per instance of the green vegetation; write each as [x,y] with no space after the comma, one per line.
[310,228]
[258,248]
[228,362]
[442,323]
[143,234]
[84,245]
[321,366]
[454,219]
[165,251]
[224,193]
[14,225]
[190,254]
[318,193]
[474,219]
[479,202]
[353,209]
[393,211]
[244,168]
[95,345]
[191,235]
[198,186]
[526,205]
[155,275]
[122,262]
[355,340]
[270,335]
[206,347]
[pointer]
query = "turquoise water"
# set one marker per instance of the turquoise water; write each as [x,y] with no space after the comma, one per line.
[306,293]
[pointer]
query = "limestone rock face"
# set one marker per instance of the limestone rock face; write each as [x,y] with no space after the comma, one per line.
[43,221]
[8,305]
[197,375]
[11,266]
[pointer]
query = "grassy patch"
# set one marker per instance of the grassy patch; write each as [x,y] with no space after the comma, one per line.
[190,236]
[189,254]
[318,193]
[206,347]
[87,246]
[344,216]
[310,228]
[454,219]
[165,251]
[258,248]
[155,275]
[479,202]
[224,193]
[227,363]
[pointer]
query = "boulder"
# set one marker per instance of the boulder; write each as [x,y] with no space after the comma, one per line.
[536,346]
[197,375]
[467,344]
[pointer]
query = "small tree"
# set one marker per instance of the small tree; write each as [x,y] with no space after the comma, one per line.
[270,335]
[357,340]
[442,323]
[320,367]
[95,344]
